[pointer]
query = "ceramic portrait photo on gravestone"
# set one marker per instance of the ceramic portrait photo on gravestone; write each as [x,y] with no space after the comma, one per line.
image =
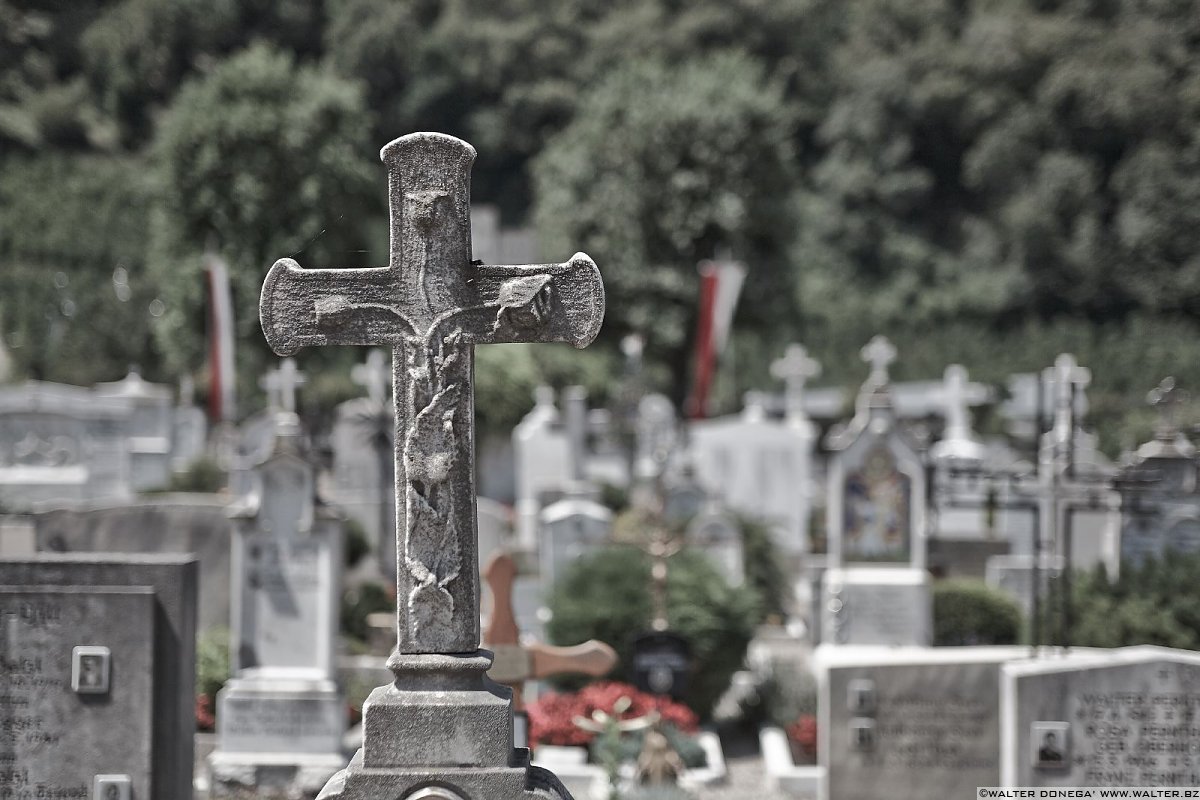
[1051,744]
[90,667]
[862,734]
[861,696]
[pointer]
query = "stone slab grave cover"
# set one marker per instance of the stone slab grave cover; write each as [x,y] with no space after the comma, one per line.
[442,729]
[910,723]
[1123,717]
[97,654]
[877,605]
[280,718]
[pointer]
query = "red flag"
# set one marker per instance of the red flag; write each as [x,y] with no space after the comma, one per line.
[720,285]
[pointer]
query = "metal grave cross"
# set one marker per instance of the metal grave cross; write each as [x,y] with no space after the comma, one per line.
[432,304]
[281,384]
[515,662]
[879,353]
[794,369]
[374,376]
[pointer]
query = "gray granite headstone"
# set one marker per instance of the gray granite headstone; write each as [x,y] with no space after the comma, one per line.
[571,528]
[1124,717]
[442,729]
[98,658]
[914,723]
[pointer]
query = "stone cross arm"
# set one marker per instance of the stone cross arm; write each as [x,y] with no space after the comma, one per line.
[499,304]
[432,304]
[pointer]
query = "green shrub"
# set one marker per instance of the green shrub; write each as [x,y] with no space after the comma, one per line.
[967,612]
[356,543]
[606,596]
[763,565]
[1155,603]
[212,662]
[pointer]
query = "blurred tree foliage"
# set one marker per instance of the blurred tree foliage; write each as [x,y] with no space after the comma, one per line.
[985,181]
[262,159]
[1155,603]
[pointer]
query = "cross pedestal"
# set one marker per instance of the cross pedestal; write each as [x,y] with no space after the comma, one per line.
[442,729]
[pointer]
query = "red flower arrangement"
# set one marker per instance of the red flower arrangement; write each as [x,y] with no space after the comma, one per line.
[803,735]
[551,716]
[206,720]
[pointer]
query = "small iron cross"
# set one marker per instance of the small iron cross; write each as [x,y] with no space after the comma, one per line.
[515,662]
[432,304]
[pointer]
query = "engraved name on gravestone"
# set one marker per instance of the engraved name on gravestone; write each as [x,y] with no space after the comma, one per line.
[1123,717]
[92,646]
[441,721]
[924,723]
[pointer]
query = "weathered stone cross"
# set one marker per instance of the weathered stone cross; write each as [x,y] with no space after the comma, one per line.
[373,376]
[879,353]
[794,369]
[281,385]
[432,305]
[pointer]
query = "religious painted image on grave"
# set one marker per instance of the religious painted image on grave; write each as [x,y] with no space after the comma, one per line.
[877,512]
[661,663]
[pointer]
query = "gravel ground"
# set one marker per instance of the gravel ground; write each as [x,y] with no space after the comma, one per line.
[747,776]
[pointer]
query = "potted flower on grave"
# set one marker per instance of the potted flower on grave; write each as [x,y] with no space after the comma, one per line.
[802,736]
[552,720]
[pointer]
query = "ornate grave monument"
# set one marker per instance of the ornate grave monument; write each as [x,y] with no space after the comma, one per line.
[877,590]
[442,730]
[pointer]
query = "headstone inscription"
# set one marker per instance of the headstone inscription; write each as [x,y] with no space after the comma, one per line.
[921,722]
[97,675]
[1123,717]
[661,663]
[280,718]
[441,730]
[877,605]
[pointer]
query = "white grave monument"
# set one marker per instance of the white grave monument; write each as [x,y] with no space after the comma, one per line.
[281,717]
[876,524]
[762,467]
[542,453]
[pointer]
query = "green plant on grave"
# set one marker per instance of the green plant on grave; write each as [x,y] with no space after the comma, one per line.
[202,476]
[606,596]
[968,612]
[764,568]
[212,671]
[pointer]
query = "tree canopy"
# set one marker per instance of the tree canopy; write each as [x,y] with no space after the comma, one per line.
[986,181]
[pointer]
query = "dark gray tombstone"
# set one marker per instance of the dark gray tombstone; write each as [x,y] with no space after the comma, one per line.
[99,661]
[661,663]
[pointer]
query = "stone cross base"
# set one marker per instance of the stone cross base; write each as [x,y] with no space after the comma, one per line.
[442,731]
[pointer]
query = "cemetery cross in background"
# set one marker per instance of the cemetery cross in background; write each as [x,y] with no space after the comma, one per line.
[432,304]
